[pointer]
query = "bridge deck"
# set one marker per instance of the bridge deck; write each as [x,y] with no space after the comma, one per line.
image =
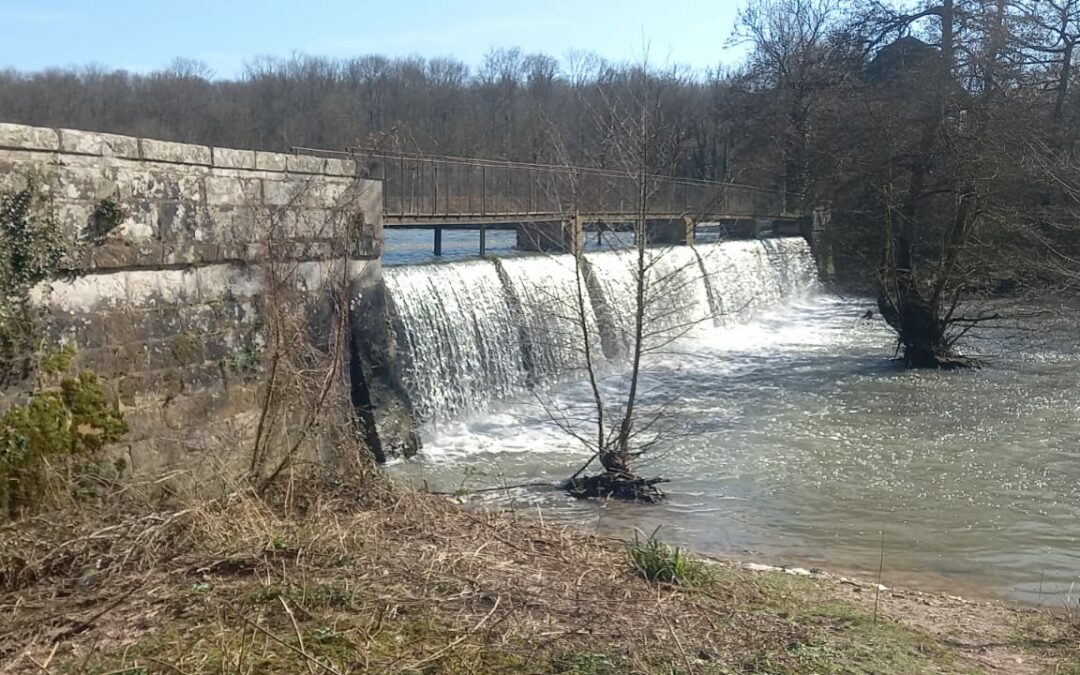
[419,189]
[511,221]
[550,205]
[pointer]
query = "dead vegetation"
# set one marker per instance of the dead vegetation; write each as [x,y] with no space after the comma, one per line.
[337,577]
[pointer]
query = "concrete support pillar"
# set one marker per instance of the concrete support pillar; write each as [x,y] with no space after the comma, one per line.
[789,227]
[438,241]
[551,236]
[671,231]
[764,227]
[821,242]
[483,241]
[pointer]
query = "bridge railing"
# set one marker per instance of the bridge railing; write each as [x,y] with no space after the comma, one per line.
[422,188]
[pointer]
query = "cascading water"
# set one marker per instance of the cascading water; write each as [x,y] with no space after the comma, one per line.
[748,276]
[547,291]
[459,336]
[479,331]
[675,296]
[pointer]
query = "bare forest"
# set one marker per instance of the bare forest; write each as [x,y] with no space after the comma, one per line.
[936,140]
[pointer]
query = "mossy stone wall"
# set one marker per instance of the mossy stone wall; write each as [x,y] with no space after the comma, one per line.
[163,300]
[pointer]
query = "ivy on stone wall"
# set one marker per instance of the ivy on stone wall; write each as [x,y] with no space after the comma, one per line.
[67,418]
[31,249]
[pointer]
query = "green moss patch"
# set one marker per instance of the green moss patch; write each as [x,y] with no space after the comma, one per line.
[54,428]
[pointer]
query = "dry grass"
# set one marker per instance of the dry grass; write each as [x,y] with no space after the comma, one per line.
[400,582]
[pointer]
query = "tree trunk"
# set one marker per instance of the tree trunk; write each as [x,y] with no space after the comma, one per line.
[1062,95]
[919,328]
[917,315]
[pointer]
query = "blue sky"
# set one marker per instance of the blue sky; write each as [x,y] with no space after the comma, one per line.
[146,34]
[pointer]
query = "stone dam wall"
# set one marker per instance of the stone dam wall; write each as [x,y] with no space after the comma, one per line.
[165,299]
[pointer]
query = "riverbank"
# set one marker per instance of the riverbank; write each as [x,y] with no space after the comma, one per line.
[793,438]
[410,583]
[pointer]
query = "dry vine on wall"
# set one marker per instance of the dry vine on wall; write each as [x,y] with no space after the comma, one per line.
[305,417]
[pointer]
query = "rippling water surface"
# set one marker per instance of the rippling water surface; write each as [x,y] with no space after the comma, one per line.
[792,438]
[407,247]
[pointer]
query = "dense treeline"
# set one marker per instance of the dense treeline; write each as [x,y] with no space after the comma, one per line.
[941,133]
[753,123]
[508,108]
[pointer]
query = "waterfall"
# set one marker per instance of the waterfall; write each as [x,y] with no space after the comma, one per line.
[746,277]
[479,331]
[459,337]
[676,298]
[546,289]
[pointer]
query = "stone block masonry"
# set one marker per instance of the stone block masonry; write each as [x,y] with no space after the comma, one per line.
[164,301]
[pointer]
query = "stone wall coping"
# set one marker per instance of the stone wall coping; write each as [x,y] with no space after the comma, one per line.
[17,136]
[97,144]
[175,153]
[102,145]
[228,158]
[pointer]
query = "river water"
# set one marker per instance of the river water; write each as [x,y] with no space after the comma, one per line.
[788,436]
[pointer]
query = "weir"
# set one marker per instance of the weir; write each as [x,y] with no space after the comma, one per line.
[475,332]
[173,303]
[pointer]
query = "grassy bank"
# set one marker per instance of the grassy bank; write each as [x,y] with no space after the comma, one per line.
[408,583]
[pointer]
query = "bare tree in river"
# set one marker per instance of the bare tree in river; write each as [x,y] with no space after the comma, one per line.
[641,143]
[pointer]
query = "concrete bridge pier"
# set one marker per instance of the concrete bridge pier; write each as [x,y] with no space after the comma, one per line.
[670,231]
[745,228]
[552,236]
[791,227]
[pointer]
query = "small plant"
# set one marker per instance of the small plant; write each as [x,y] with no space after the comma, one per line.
[325,595]
[656,561]
[586,664]
[266,594]
[311,597]
[108,215]
[469,473]
[323,633]
[57,361]
[243,361]
[52,429]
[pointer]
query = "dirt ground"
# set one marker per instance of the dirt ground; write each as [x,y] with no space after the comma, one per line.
[409,583]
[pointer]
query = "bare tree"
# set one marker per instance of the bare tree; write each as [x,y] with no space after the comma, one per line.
[305,415]
[641,145]
[1048,33]
[939,170]
[788,56]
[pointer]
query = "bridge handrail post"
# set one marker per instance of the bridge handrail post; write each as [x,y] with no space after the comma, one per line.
[434,187]
[401,184]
